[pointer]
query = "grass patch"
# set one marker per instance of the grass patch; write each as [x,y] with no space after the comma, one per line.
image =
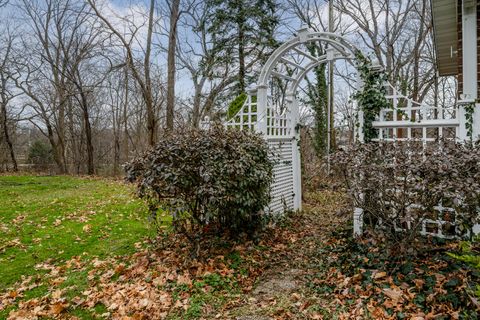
[50,219]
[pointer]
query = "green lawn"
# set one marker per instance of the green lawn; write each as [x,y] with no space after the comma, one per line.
[47,219]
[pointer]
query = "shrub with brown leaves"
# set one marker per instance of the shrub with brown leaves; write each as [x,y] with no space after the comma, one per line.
[206,180]
[401,185]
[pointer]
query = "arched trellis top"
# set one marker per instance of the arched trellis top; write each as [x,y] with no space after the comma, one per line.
[292,60]
[403,119]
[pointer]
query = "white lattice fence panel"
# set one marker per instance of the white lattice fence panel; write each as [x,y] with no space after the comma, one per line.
[407,119]
[282,189]
[246,118]
[278,125]
[441,222]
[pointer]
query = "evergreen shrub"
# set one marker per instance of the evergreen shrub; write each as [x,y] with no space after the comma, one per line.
[215,180]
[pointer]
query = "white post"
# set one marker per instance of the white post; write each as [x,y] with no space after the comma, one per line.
[469,56]
[357,222]
[262,109]
[476,123]
[294,114]
[359,136]
[461,129]
[330,104]
[469,49]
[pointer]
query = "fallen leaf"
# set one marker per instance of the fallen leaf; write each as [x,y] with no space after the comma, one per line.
[57,308]
[394,294]
[379,275]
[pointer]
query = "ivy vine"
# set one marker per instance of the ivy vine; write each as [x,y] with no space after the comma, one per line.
[371,97]
[469,110]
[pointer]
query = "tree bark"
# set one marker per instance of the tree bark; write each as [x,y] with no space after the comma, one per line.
[147,93]
[8,140]
[241,58]
[56,154]
[88,134]
[125,119]
[172,43]
[76,161]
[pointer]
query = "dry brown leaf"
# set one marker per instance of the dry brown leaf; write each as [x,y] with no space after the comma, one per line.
[394,294]
[57,294]
[120,269]
[184,279]
[379,275]
[295,296]
[58,308]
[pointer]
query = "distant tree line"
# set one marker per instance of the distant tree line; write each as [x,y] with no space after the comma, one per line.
[100,82]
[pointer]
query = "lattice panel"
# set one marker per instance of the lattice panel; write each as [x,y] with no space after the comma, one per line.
[282,189]
[441,222]
[407,119]
[278,125]
[247,117]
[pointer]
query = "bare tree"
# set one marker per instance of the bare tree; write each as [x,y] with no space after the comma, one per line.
[43,69]
[82,72]
[397,32]
[141,73]
[6,92]
[61,67]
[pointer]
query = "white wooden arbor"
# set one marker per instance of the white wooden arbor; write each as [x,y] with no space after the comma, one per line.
[276,116]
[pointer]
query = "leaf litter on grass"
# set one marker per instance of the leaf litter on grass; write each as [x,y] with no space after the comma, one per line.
[306,267]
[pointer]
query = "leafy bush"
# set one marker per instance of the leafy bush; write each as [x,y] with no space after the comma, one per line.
[400,185]
[213,180]
[40,155]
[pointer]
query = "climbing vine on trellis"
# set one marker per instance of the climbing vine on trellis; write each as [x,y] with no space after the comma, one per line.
[371,98]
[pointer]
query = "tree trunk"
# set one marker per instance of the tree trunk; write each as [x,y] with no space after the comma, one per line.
[147,93]
[172,42]
[241,58]
[61,124]
[7,137]
[331,102]
[197,100]
[116,153]
[88,134]
[61,96]
[125,119]
[56,154]
[151,121]
[116,138]
[73,141]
